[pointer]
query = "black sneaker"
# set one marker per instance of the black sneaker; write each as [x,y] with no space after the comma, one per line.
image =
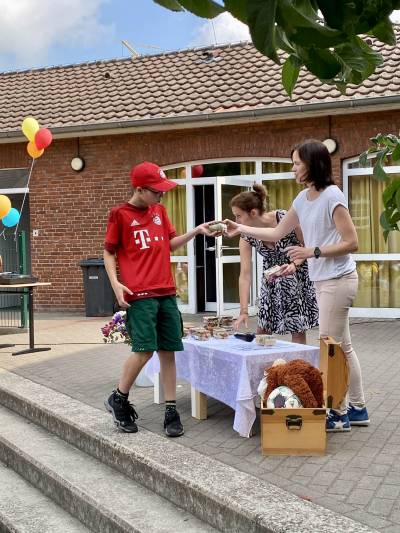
[172,424]
[122,411]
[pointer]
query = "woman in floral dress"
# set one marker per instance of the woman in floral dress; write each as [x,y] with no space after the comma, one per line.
[287,304]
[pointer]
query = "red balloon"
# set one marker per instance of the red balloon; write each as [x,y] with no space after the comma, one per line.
[43,138]
[197,171]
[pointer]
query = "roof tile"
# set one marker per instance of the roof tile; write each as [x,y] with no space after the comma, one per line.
[184,83]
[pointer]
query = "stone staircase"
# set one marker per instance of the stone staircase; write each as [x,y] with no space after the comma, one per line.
[65,468]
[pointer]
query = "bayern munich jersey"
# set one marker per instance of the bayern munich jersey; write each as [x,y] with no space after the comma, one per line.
[140,238]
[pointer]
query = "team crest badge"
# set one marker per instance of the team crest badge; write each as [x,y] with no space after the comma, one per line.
[157,220]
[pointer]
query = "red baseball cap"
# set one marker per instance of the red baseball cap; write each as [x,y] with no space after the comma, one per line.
[150,175]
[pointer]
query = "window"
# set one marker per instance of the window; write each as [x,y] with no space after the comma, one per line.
[378,262]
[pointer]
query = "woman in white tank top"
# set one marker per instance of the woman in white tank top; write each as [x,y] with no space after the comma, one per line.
[329,238]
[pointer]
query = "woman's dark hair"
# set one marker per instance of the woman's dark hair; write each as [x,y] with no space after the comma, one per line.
[248,200]
[315,156]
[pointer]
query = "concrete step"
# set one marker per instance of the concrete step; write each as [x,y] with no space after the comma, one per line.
[101,498]
[24,509]
[224,497]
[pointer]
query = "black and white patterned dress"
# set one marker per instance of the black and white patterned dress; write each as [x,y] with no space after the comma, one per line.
[288,304]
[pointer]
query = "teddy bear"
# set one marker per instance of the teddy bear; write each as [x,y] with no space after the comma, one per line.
[300,376]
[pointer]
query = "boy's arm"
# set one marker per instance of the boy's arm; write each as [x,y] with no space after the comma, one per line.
[111,268]
[181,240]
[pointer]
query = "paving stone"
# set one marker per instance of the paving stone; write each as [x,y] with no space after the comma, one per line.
[325,478]
[388,491]
[341,507]
[362,496]
[367,451]
[370,482]
[302,480]
[308,470]
[385,459]
[392,529]
[341,486]
[369,519]
[393,478]
[334,466]
[352,474]
[305,492]
[378,469]
[357,463]
[380,506]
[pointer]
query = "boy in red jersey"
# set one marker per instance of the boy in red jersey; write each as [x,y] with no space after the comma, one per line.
[140,237]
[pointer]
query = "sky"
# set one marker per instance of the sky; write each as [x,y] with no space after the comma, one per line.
[42,33]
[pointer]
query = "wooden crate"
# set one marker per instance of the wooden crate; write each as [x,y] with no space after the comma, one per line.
[302,431]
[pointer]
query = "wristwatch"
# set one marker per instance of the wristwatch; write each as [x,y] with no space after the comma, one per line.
[317,252]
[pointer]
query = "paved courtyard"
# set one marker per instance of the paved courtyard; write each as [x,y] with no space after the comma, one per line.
[360,474]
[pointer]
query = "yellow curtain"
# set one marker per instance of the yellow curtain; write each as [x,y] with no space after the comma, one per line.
[379,280]
[281,193]
[175,204]
[379,284]
[180,274]
[247,167]
[271,167]
[175,173]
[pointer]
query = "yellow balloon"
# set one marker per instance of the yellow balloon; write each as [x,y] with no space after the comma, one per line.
[33,151]
[5,205]
[29,128]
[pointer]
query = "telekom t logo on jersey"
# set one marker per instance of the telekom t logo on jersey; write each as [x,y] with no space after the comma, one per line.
[144,238]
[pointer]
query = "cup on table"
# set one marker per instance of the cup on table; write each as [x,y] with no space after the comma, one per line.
[265,340]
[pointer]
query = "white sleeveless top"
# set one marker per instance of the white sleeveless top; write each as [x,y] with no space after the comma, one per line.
[316,222]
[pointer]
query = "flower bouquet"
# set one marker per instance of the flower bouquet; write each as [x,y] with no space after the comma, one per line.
[115,330]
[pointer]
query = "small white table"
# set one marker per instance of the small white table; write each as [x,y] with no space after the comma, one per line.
[230,371]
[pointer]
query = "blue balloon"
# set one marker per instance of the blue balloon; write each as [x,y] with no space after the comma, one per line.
[12,218]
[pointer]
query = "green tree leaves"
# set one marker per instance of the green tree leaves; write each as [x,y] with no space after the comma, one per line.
[383,147]
[202,8]
[290,73]
[261,16]
[322,36]
[172,5]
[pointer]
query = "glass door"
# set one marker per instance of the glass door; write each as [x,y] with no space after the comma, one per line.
[227,256]
[207,270]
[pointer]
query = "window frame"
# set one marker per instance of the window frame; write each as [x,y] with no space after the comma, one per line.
[347,173]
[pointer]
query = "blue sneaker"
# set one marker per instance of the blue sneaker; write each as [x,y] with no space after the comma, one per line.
[336,422]
[358,416]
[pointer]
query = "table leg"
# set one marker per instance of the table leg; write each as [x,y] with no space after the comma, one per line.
[31,348]
[158,390]
[199,404]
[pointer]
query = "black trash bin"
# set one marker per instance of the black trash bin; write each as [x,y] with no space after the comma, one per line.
[99,296]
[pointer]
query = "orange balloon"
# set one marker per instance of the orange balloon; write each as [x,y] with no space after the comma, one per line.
[5,205]
[33,151]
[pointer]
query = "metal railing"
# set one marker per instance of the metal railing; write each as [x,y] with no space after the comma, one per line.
[14,307]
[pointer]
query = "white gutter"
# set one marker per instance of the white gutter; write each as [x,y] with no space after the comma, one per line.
[382,103]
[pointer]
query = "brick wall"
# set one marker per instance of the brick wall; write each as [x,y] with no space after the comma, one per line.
[70,209]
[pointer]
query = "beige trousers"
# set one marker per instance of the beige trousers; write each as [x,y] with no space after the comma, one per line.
[335,297]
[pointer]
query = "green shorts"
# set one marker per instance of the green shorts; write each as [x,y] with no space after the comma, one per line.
[155,324]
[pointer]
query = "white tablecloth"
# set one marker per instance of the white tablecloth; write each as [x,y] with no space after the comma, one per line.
[230,371]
